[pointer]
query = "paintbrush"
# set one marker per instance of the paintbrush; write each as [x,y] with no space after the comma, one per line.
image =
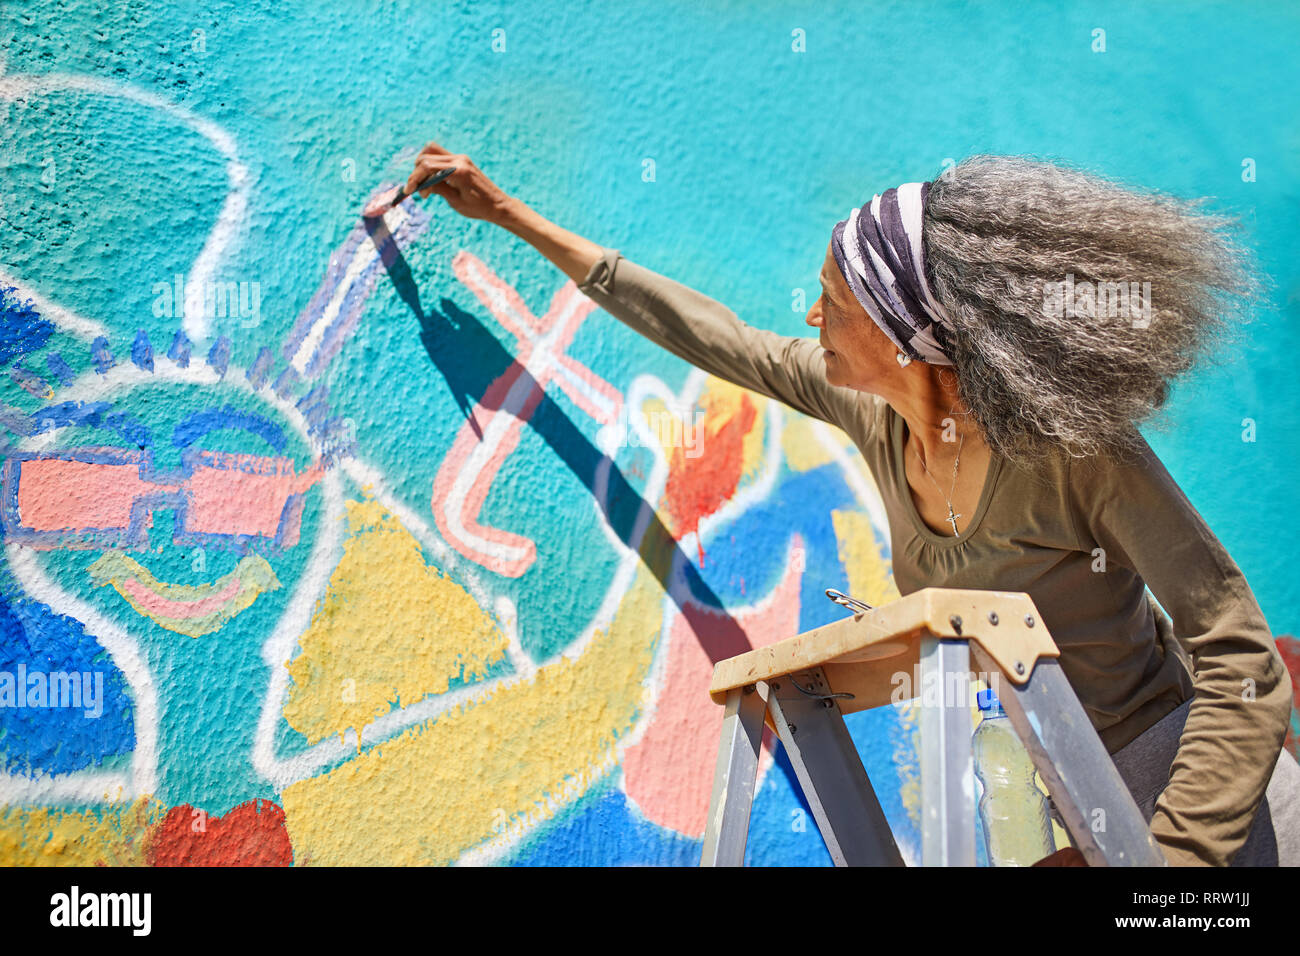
[391,197]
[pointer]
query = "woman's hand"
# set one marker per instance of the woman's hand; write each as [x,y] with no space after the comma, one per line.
[468,190]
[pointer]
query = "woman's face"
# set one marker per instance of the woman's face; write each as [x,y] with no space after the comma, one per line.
[858,355]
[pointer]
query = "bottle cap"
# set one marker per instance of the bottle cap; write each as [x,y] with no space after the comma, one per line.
[988,703]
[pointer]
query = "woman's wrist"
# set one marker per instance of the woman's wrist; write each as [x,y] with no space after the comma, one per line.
[511,213]
[573,254]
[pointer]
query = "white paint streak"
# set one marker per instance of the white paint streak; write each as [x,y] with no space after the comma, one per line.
[362,257]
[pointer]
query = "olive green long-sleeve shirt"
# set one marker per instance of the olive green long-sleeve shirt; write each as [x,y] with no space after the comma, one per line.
[1084,538]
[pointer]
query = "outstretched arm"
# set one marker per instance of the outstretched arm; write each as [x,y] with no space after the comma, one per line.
[707,334]
[687,323]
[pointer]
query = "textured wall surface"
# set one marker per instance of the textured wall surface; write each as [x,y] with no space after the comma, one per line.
[371,543]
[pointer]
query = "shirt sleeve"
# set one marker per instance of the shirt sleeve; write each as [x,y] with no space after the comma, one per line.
[1238,719]
[707,334]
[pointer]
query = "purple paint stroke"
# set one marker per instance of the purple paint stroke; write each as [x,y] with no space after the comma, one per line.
[387,245]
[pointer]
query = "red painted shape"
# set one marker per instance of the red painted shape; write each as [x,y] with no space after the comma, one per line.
[252,834]
[697,487]
[1289,648]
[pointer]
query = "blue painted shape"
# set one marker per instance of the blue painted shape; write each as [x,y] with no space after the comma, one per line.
[142,351]
[22,329]
[29,382]
[317,394]
[180,349]
[92,415]
[219,355]
[59,368]
[315,417]
[69,413]
[257,375]
[136,433]
[100,353]
[34,740]
[746,558]
[604,829]
[285,382]
[192,428]
[315,409]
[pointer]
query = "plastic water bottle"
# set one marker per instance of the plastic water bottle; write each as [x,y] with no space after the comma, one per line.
[1017,824]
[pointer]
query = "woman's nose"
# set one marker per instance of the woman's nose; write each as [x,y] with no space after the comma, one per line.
[814,316]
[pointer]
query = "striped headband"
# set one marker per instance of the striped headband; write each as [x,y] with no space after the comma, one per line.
[878,249]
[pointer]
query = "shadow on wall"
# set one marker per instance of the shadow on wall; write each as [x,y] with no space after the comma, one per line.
[459,332]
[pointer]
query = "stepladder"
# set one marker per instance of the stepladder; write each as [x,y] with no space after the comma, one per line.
[928,647]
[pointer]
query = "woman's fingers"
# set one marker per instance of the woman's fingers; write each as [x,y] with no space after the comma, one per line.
[449,185]
[467,189]
[425,167]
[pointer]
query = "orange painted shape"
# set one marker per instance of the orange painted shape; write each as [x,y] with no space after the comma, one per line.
[699,486]
[243,492]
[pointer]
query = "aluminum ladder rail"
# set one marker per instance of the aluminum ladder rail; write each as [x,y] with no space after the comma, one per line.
[801,688]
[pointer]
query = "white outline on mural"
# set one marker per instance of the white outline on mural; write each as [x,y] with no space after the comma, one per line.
[62,317]
[642,387]
[195,323]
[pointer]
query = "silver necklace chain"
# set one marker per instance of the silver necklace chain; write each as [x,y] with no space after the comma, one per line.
[952,517]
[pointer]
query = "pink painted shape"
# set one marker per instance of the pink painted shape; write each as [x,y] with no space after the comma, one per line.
[225,494]
[484,458]
[57,494]
[159,606]
[241,494]
[668,773]
[466,443]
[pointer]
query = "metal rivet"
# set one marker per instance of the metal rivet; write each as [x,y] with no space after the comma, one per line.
[749,688]
[955,621]
[1029,620]
[1020,667]
[828,703]
[793,728]
[993,617]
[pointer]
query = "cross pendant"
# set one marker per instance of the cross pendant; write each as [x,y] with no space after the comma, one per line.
[952,520]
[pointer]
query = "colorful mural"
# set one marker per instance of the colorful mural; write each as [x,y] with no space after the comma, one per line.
[335,541]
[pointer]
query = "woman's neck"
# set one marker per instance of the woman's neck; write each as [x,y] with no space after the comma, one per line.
[938,422]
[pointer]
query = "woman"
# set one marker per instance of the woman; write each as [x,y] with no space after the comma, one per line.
[962,346]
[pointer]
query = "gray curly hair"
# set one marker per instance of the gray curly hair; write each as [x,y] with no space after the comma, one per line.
[1009,240]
